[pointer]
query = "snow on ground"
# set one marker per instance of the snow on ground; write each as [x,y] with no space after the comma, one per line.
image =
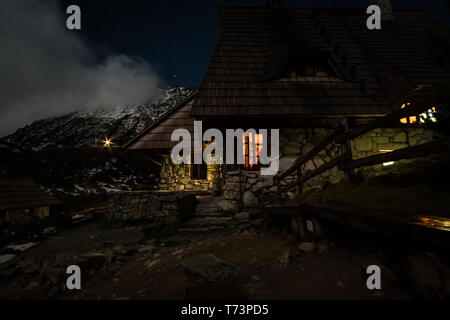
[6,257]
[22,247]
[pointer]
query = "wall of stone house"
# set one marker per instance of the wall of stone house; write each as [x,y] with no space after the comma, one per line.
[178,178]
[295,141]
[23,214]
[162,207]
[244,189]
[383,139]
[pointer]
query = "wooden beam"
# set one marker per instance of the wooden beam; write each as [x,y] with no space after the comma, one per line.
[313,152]
[390,118]
[311,174]
[438,146]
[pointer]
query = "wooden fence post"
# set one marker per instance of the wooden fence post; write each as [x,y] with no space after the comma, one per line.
[300,182]
[346,148]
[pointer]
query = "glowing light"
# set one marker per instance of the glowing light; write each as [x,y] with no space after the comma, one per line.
[390,163]
[107,143]
[429,114]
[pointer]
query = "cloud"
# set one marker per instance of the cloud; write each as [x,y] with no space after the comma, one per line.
[47,70]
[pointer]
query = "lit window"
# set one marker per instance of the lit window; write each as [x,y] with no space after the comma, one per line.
[252,144]
[390,163]
[429,114]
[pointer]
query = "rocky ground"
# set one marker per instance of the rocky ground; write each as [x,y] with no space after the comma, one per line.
[121,262]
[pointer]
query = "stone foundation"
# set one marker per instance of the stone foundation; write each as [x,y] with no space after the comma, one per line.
[169,207]
[246,189]
[178,178]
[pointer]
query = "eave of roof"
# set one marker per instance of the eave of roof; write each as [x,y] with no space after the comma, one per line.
[161,119]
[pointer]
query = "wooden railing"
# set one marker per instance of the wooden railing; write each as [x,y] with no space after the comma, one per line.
[342,135]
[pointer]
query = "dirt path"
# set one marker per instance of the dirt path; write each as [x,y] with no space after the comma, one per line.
[270,267]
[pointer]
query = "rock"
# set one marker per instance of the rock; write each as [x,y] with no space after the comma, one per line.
[56,276]
[255,278]
[306,247]
[229,205]
[286,257]
[151,263]
[363,144]
[249,199]
[147,248]
[209,268]
[32,285]
[119,249]
[421,272]
[323,246]
[93,261]
[242,215]
[400,137]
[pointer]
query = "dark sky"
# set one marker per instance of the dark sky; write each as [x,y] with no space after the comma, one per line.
[177,37]
[126,52]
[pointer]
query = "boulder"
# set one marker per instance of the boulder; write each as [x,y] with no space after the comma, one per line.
[307,247]
[229,205]
[421,273]
[249,199]
[208,268]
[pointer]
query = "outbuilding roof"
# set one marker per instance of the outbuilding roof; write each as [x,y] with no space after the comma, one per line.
[21,192]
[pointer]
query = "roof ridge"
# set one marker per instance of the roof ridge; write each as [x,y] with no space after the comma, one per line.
[163,117]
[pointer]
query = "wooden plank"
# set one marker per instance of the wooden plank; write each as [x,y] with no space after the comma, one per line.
[390,118]
[438,146]
[311,174]
[311,153]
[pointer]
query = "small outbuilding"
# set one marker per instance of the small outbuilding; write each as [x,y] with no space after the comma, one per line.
[21,197]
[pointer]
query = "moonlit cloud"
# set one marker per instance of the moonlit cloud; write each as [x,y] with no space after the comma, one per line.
[47,70]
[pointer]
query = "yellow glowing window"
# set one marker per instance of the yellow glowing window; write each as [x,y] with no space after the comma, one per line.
[428,115]
[252,144]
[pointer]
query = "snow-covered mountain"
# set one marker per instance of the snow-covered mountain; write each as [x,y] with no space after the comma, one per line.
[87,128]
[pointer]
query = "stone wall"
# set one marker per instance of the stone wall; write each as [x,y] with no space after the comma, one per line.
[295,141]
[168,207]
[23,214]
[244,189]
[386,139]
[178,178]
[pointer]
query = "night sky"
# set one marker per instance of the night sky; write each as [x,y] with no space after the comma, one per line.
[177,37]
[125,54]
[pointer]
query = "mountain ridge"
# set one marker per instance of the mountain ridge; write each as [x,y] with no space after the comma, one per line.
[88,128]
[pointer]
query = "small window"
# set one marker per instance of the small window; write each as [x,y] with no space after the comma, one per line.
[429,115]
[252,144]
[199,171]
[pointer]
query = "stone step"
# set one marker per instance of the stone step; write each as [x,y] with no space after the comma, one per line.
[209,214]
[191,230]
[208,221]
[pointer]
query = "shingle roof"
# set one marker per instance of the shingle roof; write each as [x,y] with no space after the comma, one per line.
[157,135]
[20,192]
[378,68]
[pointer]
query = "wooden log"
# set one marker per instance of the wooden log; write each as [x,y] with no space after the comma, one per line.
[311,174]
[390,118]
[438,146]
[311,153]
